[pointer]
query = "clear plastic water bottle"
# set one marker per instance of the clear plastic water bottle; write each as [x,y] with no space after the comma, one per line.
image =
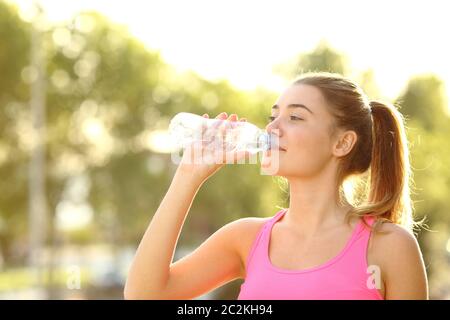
[187,128]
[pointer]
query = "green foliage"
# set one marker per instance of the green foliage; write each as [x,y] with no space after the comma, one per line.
[14,53]
[322,58]
[424,99]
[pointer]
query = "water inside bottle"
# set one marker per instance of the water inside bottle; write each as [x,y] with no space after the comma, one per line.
[186,128]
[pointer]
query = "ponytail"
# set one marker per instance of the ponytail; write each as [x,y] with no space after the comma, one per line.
[390,172]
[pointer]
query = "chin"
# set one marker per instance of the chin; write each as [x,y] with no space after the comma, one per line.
[271,166]
[271,170]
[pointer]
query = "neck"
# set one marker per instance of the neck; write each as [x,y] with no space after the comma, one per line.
[314,204]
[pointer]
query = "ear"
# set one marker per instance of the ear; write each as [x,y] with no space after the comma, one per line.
[344,143]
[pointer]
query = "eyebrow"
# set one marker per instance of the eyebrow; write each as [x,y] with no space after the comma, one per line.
[293,105]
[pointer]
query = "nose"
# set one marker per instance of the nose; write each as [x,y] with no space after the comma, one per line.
[273,128]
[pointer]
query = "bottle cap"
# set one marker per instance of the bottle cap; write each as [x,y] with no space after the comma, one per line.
[264,141]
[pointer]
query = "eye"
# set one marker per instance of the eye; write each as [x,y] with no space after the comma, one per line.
[271,118]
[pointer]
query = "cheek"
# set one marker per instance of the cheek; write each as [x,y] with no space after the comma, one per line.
[309,150]
[310,142]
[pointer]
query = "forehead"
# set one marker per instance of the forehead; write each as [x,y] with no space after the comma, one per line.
[307,95]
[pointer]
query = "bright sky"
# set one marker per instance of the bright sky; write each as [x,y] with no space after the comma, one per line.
[243,40]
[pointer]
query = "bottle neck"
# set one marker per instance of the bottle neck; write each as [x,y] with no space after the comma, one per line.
[264,141]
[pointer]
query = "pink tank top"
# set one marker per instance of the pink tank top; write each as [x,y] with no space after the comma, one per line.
[344,277]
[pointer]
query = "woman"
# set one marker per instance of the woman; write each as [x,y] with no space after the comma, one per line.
[321,247]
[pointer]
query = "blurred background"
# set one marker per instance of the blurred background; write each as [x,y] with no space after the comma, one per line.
[87,90]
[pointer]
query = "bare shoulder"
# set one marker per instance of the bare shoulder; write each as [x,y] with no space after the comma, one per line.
[393,238]
[397,252]
[391,242]
[244,233]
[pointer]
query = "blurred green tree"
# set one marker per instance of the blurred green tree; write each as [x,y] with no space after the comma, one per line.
[424,99]
[14,56]
[322,58]
[425,105]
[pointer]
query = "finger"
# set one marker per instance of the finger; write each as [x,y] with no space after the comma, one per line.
[204,127]
[243,119]
[206,115]
[222,115]
[223,130]
[212,133]
[232,119]
[219,120]
[229,122]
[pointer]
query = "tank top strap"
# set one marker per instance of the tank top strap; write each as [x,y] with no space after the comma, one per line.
[370,220]
[276,217]
[257,250]
[269,224]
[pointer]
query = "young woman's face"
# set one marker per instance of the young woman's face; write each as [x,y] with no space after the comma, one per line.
[302,123]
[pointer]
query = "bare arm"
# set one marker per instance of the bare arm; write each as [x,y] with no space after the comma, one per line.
[151,270]
[405,271]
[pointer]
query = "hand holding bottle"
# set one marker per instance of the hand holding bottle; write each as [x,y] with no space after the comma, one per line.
[203,158]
